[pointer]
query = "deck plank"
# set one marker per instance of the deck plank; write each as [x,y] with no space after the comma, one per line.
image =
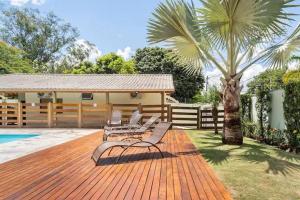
[66,171]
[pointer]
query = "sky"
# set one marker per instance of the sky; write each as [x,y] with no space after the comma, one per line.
[116,25]
[112,25]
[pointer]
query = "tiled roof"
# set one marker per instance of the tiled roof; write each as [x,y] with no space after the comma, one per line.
[88,82]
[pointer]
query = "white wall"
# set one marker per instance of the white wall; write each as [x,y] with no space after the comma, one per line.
[114,98]
[277,113]
[276,116]
[253,108]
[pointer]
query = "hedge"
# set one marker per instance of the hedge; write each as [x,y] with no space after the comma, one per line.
[291,106]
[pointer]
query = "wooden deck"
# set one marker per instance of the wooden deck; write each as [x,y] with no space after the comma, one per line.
[67,172]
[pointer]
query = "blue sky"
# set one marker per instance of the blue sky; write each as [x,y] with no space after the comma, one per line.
[115,25]
[110,24]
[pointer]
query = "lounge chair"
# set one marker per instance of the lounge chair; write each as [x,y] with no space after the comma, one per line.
[152,141]
[131,132]
[133,123]
[116,118]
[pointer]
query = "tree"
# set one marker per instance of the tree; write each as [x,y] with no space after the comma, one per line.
[226,34]
[85,67]
[43,38]
[106,64]
[158,60]
[113,64]
[77,54]
[12,60]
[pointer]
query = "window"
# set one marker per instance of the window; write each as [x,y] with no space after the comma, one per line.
[87,96]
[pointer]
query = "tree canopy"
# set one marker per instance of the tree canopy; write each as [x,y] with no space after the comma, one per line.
[77,55]
[158,60]
[42,38]
[106,64]
[12,60]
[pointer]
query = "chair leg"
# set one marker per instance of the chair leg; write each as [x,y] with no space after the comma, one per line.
[104,137]
[162,155]
[110,151]
[121,155]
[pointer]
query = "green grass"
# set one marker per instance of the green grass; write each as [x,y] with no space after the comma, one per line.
[253,170]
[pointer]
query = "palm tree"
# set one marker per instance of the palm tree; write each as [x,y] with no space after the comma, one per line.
[230,35]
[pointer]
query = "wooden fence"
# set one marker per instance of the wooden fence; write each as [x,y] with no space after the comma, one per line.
[92,115]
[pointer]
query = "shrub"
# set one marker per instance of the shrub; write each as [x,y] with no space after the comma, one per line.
[250,129]
[276,137]
[246,104]
[261,86]
[291,107]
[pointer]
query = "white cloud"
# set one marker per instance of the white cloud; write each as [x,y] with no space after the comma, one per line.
[125,53]
[250,73]
[38,2]
[18,2]
[95,51]
[22,2]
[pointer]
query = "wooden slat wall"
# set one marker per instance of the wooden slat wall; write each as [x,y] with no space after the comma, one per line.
[95,115]
[207,119]
[92,115]
[64,115]
[8,114]
[185,116]
[150,110]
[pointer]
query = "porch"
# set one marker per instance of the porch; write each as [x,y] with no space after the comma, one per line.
[66,171]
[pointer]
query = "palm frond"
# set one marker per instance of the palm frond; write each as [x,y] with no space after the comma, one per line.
[245,20]
[174,22]
[279,55]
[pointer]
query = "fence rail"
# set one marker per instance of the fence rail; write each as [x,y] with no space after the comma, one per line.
[92,115]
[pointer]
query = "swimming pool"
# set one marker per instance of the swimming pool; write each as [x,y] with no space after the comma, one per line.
[4,138]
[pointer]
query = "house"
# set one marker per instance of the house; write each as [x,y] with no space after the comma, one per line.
[53,100]
[92,88]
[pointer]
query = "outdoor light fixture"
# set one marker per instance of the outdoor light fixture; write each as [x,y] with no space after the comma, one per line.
[33,104]
[94,105]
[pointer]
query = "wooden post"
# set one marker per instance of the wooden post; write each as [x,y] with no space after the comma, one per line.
[140,108]
[162,106]
[169,117]
[80,115]
[20,114]
[50,114]
[199,117]
[107,97]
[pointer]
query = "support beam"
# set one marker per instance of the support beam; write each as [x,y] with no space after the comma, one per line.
[162,105]
[79,115]
[107,97]
[20,115]
[50,115]
[54,97]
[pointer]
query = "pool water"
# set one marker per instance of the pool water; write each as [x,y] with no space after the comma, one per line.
[4,138]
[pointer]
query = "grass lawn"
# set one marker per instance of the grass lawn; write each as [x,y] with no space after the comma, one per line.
[253,170]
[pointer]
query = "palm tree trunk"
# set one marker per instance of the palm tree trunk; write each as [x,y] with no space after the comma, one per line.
[232,133]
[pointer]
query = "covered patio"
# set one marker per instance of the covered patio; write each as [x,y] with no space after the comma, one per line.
[66,171]
[70,100]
